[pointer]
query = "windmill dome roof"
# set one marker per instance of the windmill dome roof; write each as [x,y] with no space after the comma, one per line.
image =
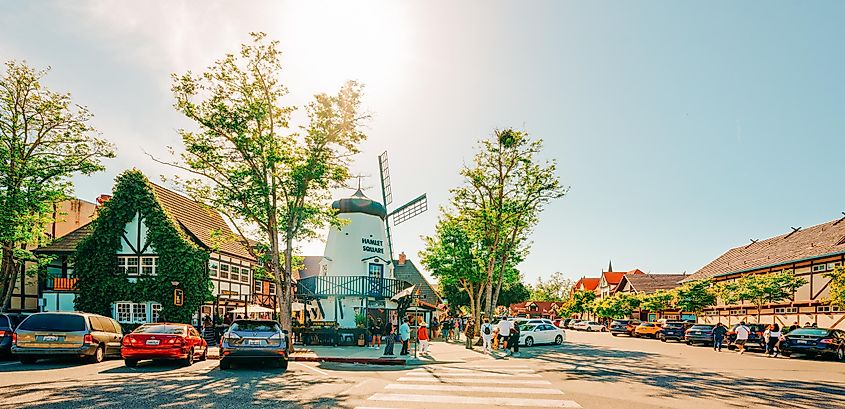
[359,203]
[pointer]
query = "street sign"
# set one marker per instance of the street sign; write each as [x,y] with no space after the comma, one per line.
[178,297]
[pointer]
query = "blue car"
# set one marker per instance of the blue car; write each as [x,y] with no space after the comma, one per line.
[699,334]
[820,342]
[673,331]
[8,323]
[254,340]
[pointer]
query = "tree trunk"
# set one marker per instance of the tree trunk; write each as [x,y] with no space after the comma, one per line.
[5,272]
[285,308]
[504,262]
[10,288]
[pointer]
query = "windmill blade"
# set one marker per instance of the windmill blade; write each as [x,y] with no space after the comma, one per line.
[384,170]
[409,210]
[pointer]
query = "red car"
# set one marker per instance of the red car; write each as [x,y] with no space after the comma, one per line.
[164,341]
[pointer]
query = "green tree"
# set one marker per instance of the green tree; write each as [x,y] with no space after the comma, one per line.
[657,301]
[556,288]
[836,288]
[618,305]
[252,167]
[504,191]
[580,302]
[513,292]
[44,140]
[695,296]
[761,289]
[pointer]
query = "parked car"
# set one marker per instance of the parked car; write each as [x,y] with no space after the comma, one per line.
[254,340]
[564,323]
[572,323]
[699,334]
[626,327]
[590,326]
[164,341]
[536,321]
[531,334]
[8,323]
[673,331]
[53,334]
[647,329]
[815,342]
[755,338]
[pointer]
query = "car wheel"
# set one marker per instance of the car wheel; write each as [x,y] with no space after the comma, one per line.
[190,359]
[731,347]
[529,341]
[225,364]
[28,360]
[603,329]
[614,334]
[98,356]
[786,354]
[131,363]
[204,355]
[840,354]
[558,340]
[689,342]
[282,364]
[663,338]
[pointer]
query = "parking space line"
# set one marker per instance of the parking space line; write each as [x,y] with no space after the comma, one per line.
[319,371]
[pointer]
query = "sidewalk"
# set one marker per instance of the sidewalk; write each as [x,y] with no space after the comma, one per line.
[440,352]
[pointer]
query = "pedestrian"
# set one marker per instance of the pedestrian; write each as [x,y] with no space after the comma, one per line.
[435,325]
[422,336]
[774,341]
[504,332]
[487,334]
[495,338]
[469,332]
[513,341]
[389,339]
[461,326]
[742,333]
[766,336]
[376,330]
[719,336]
[405,335]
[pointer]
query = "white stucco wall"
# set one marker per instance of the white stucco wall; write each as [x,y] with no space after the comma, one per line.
[363,237]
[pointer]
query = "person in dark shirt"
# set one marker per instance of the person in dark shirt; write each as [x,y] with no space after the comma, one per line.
[719,336]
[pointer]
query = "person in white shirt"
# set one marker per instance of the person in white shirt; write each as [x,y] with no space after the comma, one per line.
[504,332]
[487,334]
[742,333]
[775,335]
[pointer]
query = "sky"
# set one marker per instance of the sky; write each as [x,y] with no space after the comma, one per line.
[683,128]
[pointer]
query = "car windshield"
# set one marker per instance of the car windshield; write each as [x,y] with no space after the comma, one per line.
[702,327]
[527,327]
[54,322]
[646,324]
[672,325]
[619,323]
[161,329]
[813,332]
[255,326]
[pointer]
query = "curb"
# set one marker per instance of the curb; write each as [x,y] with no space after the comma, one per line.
[365,361]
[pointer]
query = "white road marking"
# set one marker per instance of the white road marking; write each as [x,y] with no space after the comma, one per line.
[473,370]
[472,400]
[473,380]
[8,363]
[370,407]
[480,374]
[465,388]
[319,371]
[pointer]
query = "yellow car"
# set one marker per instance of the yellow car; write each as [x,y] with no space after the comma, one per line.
[647,329]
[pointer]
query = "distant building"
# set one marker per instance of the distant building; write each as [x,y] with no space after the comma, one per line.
[808,253]
[587,284]
[610,280]
[650,283]
[536,309]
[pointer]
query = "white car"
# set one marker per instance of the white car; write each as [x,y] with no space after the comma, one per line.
[590,326]
[531,334]
[523,321]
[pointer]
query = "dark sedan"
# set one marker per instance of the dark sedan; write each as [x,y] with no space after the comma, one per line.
[672,331]
[699,334]
[8,323]
[820,342]
[625,327]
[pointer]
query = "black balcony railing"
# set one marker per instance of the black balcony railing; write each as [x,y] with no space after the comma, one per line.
[361,286]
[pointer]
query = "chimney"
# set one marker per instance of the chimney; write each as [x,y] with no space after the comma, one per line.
[402,258]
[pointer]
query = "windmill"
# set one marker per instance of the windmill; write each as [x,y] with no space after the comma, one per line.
[402,213]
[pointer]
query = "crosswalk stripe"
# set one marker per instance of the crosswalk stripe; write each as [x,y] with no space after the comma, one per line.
[479,374]
[474,380]
[503,370]
[472,400]
[465,388]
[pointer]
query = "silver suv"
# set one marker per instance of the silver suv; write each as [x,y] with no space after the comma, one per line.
[254,340]
[53,334]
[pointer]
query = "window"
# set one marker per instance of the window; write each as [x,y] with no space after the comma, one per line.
[819,267]
[148,265]
[224,270]
[124,312]
[256,288]
[831,266]
[828,308]
[738,312]
[786,310]
[96,324]
[128,265]
[273,288]
[139,312]
[376,270]
[155,310]
[212,268]
[244,275]
[711,313]
[233,273]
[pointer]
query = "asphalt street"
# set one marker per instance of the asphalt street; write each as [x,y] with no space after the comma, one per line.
[591,370]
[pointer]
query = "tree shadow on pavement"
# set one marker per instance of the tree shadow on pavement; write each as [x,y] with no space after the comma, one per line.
[599,364]
[195,389]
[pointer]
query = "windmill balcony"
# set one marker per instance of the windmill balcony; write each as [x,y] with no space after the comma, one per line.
[349,286]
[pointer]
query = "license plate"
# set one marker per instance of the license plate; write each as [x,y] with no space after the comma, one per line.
[153,342]
[254,342]
[803,342]
[50,338]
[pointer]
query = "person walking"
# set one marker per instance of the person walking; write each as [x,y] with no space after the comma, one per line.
[719,336]
[504,332]
[513,341]
[774,341]
[435,325]
[389,339]
[422,336]
[742,333]
[405,336]
[487,334]
[377,329]
[469,332]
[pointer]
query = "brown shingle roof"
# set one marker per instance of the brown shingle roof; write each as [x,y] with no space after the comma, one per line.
[820,240]
[649,283]
[68,242]
[200,222]
[409,273]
